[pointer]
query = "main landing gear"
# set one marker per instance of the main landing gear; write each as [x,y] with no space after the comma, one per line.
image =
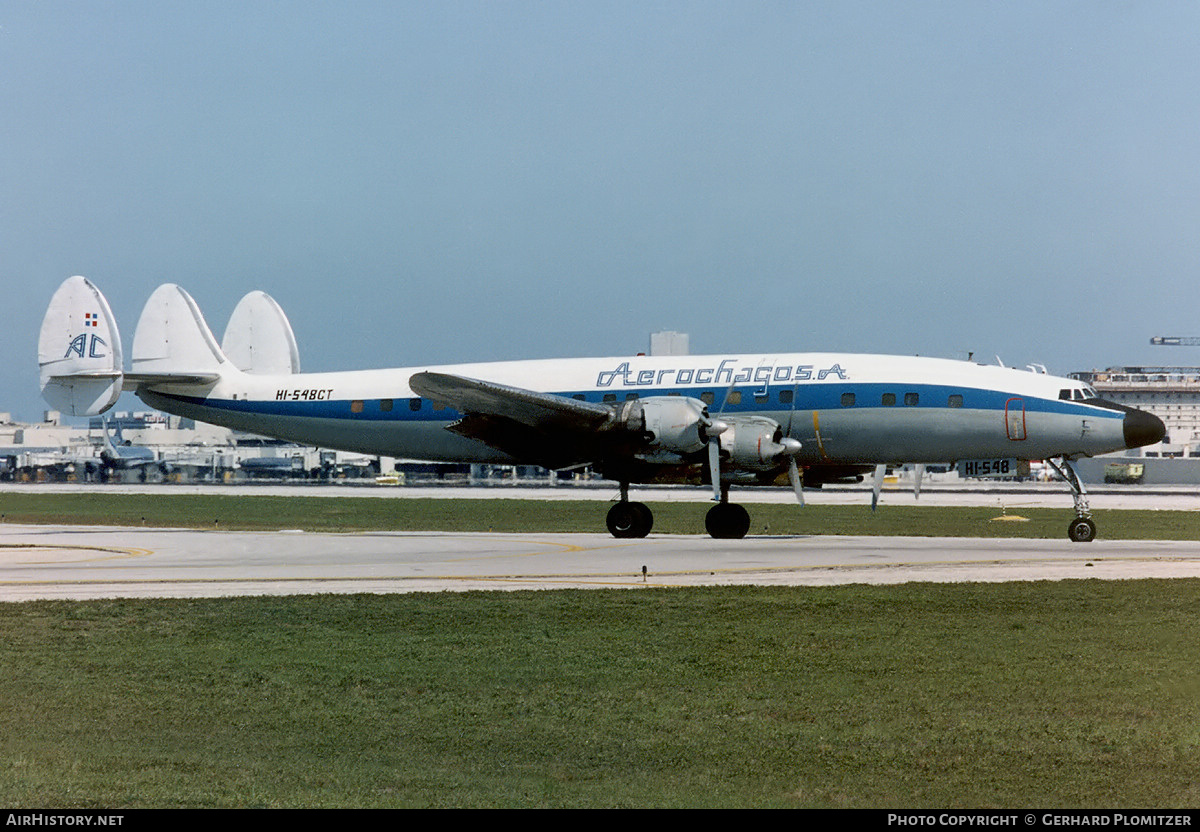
[724,521]
[626,519]
[1082,529]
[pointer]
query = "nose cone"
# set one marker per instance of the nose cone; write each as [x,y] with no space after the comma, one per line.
[1142,428]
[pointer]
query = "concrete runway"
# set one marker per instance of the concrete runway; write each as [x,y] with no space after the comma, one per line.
[84,562]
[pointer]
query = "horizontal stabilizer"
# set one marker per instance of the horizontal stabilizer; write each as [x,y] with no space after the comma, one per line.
[259,338]
[79,351]
[135,380]
[172,343]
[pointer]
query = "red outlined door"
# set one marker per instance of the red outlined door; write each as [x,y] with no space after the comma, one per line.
[1014,419]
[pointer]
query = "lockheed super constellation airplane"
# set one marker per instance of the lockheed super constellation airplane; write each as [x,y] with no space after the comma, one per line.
[724,420]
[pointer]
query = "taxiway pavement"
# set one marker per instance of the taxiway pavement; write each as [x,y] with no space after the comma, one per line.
[101,562]
[1000,494]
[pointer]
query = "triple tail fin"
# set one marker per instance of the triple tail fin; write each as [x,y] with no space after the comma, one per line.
[79,350]
[80,355]
[172,342]
[259,338]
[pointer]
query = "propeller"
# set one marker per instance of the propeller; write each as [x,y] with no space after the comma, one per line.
[794,476]
[713,429]
[794,470]
[918,475]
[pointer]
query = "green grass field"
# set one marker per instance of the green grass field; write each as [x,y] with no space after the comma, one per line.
[1078,693]
[1050,694]
[542,516]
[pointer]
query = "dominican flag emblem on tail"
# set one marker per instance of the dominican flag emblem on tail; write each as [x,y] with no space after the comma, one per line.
[91,319]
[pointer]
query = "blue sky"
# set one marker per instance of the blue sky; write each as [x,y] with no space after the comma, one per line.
[421,183]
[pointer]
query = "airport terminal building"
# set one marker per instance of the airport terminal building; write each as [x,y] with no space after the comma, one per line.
[1170,393]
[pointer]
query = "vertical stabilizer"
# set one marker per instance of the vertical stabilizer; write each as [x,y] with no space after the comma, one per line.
[259,338]
[79,350]
[172,338]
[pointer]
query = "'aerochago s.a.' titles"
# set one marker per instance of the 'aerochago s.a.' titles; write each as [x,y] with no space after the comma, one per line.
[725,372]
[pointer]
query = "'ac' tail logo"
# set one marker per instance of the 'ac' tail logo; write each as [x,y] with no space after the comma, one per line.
[83,348]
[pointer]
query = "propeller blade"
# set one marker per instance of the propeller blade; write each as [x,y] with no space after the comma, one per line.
[877,485]
[714,467]
[725,401]
[792,411]
[797,483]
[918,474]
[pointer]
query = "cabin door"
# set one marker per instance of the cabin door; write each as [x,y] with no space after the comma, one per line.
[1014,419]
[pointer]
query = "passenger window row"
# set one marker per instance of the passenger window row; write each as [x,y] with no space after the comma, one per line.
[785,397]
[910,400]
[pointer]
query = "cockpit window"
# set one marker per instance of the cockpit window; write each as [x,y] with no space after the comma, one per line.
[1078,394]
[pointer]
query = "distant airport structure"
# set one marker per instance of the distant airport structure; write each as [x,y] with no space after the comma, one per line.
[669,343]
[154,447]
[1172,393]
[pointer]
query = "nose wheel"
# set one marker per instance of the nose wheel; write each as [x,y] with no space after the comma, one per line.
[1082,529]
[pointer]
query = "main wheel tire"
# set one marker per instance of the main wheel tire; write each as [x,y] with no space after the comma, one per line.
[1081,530]
[629,520]
[727,521]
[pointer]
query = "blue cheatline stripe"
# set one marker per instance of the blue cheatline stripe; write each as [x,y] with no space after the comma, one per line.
[824,396]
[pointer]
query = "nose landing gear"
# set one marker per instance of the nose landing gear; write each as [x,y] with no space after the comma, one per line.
[1082,529]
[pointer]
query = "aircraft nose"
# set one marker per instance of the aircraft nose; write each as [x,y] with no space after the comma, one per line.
[1142,428]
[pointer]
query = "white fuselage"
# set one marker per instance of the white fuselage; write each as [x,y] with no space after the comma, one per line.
[844,408]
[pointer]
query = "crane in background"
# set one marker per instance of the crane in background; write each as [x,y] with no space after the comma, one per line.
[1175,341]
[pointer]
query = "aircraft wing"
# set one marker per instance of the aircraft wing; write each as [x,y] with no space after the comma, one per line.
[554,430]
[536,410]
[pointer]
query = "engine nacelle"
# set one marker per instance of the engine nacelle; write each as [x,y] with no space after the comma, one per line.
[668,423]
[756,443]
